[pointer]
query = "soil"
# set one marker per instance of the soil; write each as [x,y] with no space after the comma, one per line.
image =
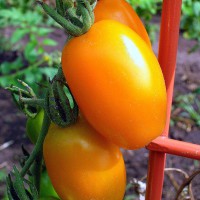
[12,123]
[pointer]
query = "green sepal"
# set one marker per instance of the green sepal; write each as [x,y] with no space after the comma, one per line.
[89,8]
[57,104]
[12,195]
[72,16]
[68,4]
[52,108]
[60,7]
[75,17]
[64,102]
[66,24]
[86,18]
[33,190]
[19,185]
[18,94]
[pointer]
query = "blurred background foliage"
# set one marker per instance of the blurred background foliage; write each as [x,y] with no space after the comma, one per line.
[25,29]
[190,19]
[147,9]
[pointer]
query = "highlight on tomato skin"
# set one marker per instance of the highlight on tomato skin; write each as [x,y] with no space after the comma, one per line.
[122,12]
[82,164]
[117,83]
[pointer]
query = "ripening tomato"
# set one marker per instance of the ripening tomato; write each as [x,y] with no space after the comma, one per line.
[117,83]
[82,164]
[121,11]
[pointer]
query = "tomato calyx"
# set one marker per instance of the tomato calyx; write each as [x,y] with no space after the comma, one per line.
[75,17]
[56,103]
[19,93]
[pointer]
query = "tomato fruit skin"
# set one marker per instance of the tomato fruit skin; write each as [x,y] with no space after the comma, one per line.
[122,12]
[82,164]
[117,83]
[48,198]
[46,187]
[34,125]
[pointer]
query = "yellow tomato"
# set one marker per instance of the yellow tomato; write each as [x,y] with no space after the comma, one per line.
[117,83]
[83,165]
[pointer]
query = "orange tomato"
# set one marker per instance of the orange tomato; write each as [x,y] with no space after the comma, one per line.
[121,11]
[117,83]
[82,164]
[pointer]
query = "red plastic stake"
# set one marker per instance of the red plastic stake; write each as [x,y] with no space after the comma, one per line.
[171,11]
[175,147]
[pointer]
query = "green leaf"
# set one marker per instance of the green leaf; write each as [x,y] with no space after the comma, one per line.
[4,82]
[29,76]
[18,35]
[34,192]
[8,67]
[19,185]
[33,18]
[44,31]
[33,38]
[29,51]
[34,29]
[33,75]
[40,50]
[5,13]
[196,8]
[5,68]
[10,189]
[17,64]
[48,71]
[3,175]
[197,91]
[49,42]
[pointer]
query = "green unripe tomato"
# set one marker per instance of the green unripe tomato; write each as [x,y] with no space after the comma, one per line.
[33,128]
[34,125]
[46,188]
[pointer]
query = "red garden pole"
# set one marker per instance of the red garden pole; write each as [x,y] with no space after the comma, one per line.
[169,33]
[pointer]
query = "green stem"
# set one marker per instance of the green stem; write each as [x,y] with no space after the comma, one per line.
[67,25]
[23,71]
[33,102]
[77,19]
[60,7]
[29,89]
[36,171]
[39,145]
[90,10]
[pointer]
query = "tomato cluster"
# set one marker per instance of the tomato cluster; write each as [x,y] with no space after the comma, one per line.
[118,85]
